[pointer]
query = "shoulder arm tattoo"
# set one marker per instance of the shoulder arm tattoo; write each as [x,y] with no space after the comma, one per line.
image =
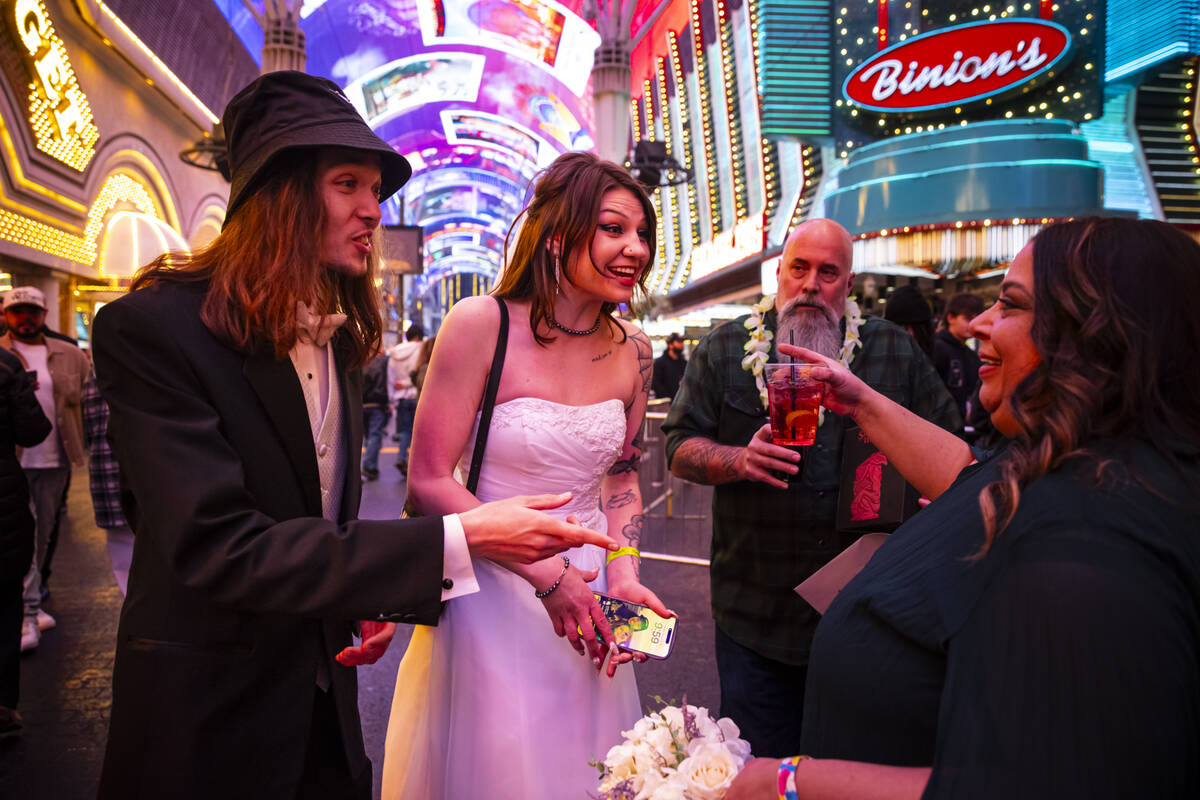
[623,465]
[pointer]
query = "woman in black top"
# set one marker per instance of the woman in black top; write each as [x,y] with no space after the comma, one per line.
[1035,632]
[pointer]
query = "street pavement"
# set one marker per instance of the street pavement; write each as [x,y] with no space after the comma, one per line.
[66,681]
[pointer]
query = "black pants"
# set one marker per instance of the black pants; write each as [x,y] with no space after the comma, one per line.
[326,773]
[12,613]
[763,696]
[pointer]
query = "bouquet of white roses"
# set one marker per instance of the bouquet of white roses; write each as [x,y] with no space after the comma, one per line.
[678,753]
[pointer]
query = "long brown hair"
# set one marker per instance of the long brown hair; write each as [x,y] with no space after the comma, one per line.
[1114,325]
[564,211]
[265,259]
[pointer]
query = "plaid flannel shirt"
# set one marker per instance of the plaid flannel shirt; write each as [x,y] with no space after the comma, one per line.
[766,540]
[104,475]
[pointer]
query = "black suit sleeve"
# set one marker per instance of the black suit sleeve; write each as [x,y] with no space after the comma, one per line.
[194,512]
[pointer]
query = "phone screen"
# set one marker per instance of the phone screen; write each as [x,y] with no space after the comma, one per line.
[637,628]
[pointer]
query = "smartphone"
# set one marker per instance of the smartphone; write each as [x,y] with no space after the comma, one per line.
[31,376]
[637,628]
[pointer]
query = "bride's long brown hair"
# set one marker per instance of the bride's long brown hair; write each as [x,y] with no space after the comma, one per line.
[1115,325]
[565,209]
[266,259]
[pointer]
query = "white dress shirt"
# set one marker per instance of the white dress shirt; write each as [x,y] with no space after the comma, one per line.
[317,371]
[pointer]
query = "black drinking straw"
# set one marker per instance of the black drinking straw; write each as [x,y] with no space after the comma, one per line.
[792,342]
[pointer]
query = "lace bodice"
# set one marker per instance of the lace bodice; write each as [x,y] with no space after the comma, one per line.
[537,446]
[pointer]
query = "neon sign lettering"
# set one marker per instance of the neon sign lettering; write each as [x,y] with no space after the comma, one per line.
[958,65]
[58,110]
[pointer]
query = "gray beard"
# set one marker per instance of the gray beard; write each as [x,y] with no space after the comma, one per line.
[815,327]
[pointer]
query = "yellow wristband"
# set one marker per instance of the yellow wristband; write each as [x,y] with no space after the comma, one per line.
[624,551]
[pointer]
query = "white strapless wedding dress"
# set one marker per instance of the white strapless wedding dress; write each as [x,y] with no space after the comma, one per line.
[490,703]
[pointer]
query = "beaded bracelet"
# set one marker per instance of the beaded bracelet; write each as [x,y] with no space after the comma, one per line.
[553,586]
[624,551]
[787,778]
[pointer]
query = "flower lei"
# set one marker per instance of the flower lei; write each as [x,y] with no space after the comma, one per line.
[758,348]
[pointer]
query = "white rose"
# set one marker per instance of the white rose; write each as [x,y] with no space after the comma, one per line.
[673,717]
[650,783]
[645,760]
[670,789]
[620,761]
[708,771]
[663,743]
[640,729]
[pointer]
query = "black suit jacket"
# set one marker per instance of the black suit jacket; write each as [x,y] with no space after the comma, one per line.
[238,586]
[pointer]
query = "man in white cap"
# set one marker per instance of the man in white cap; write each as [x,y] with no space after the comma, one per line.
[62,370]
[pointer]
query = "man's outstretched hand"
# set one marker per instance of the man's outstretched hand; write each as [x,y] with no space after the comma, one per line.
[516,529]
[376,636]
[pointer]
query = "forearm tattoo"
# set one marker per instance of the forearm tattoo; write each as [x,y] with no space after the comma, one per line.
[621,500]
[633,535]
[704,461]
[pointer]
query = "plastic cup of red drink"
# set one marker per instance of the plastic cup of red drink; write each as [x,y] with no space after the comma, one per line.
[793,403]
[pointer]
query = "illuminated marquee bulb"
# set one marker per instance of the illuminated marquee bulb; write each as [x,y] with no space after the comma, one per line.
[59,113]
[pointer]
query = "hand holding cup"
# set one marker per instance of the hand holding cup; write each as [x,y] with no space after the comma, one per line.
[843,389]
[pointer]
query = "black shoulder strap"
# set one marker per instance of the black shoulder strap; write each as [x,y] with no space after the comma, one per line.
[489,399]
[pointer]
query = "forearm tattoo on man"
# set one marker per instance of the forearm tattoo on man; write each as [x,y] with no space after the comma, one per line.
[702,461]
[621,500]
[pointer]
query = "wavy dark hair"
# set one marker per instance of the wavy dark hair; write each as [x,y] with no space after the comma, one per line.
[565,209]
[1115,325]
[266,259]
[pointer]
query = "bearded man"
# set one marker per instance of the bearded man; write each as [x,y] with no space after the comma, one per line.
[769,534]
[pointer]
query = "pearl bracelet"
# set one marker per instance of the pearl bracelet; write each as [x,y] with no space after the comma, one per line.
[553,586]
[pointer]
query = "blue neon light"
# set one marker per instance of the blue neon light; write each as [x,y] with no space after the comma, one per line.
[1030,162]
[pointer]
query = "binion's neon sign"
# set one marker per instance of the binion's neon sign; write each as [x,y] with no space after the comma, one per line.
[58,110]
[957,65]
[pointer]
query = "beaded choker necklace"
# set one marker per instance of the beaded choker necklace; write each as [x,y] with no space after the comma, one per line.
[574,332]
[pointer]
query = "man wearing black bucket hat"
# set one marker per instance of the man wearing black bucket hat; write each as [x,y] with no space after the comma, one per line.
[233,379]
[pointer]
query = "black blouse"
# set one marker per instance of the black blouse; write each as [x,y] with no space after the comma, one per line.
[1065,663]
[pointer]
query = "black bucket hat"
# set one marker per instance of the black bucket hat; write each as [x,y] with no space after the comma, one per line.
[289,110]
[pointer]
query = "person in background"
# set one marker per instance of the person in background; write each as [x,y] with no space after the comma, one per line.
[402,360]
[62,371]
[957,364]
[375,412]
[909,309]
[668,369]
[770,534]
[418,373]
[233,378]
[104,479]
[22,424]
[1034,632]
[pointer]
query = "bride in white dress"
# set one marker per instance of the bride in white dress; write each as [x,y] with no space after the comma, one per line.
[491,703]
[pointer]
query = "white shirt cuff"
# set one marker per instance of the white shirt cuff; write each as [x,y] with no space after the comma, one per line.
[458,576]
